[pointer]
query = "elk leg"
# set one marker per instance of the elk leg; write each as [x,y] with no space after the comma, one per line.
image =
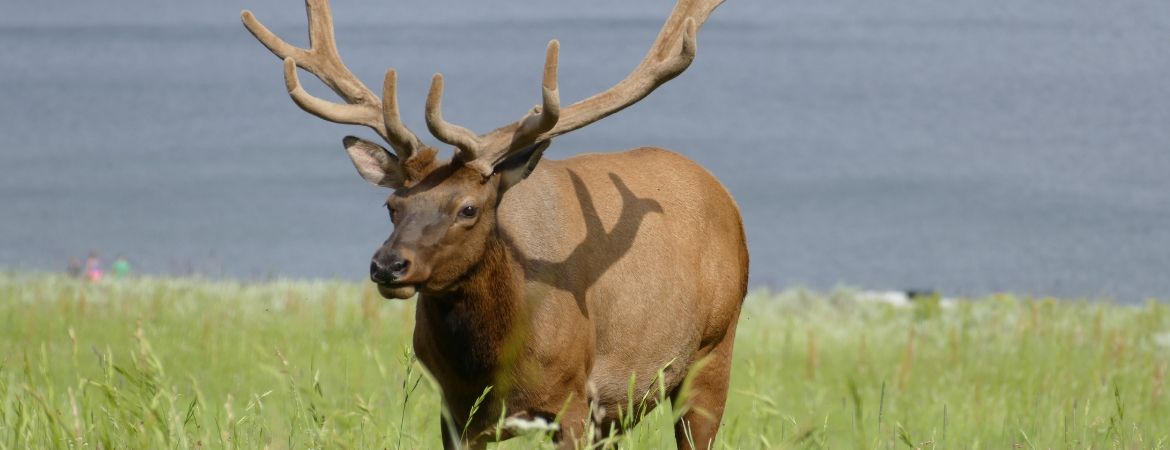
[574,423]
[450,442]
[705,399]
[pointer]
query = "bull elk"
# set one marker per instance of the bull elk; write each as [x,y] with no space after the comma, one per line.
[555,282]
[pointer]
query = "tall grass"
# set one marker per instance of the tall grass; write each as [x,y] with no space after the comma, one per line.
[182,363]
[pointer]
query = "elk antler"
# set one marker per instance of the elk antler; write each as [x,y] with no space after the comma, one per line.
[672,52]
[483,152]
[362,106]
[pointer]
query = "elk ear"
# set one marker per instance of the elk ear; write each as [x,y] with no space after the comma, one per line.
[374,163]
[517,167]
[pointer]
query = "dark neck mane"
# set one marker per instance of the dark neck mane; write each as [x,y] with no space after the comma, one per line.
[477,328]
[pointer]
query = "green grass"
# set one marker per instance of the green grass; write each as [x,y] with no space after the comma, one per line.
[208,364]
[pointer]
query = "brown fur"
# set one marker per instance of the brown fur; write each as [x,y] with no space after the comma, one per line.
[593,270]
[418,166]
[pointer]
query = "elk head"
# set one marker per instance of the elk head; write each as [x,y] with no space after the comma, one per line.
[444,212]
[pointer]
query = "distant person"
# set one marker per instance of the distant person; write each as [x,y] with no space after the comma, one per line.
[74,269]
[120,268]
[93,267]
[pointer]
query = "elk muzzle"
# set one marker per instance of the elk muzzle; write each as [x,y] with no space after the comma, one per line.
[395,272]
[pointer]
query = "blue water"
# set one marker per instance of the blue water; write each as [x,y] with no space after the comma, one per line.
[969,146]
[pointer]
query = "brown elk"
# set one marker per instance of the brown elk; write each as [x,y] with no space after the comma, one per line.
[554,282]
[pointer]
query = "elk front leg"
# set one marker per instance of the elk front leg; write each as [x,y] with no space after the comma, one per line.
[574,424]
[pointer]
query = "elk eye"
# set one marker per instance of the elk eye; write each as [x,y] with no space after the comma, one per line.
[468,212]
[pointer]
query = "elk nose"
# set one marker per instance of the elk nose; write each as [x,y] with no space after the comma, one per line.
[375,271]
[390,269]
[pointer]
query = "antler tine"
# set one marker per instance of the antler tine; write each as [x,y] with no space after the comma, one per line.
[670,55]
[544,117]
[465,140]
[322,59]
[333,112]
[672,66]
[505,141]
[403,141]
[270,40]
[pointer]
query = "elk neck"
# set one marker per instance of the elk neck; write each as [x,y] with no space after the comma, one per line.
[466,334]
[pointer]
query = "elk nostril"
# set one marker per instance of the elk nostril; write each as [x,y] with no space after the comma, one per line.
[399,266]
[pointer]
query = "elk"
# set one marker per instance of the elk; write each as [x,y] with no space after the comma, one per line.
[554,282]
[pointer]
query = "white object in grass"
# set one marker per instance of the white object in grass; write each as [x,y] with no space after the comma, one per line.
[521,425]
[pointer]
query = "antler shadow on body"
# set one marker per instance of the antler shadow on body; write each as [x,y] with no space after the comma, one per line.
[600,248]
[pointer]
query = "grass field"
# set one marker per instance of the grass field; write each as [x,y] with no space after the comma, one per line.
[209,364]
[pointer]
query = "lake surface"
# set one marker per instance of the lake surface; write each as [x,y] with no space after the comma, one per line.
[968,146]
